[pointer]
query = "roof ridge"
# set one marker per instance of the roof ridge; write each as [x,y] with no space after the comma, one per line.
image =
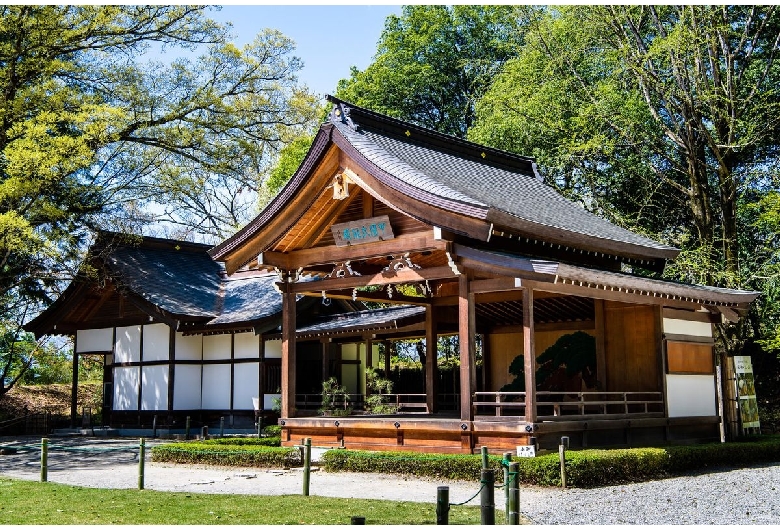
[444,142]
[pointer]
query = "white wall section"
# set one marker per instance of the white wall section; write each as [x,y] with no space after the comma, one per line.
[690,395]
[186,387]
[126,388]
[216,347]
[273,349]
[246,379]
[156,339]
[189,347]
[88,340]
[676,326]
[247,346]
[127,347]
[216,387]
[154,387]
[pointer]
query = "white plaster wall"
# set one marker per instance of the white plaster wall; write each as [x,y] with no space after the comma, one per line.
[126,388]
[690,395]
[246,346]
[349,352]
[216,387]
[246,379]
[677,326]
[216,347]
[189,347]
[186,387]
[94,340]
[127,347]
[273,349]
[154,387]
[156,339]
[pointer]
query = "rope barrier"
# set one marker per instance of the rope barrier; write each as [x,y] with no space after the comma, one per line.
[472,498]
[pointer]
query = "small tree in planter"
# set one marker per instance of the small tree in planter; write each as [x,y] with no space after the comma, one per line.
[335,400]
[376,400]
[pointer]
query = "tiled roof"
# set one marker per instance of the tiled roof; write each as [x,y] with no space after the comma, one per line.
[181,282]
[376,318]
[457,171]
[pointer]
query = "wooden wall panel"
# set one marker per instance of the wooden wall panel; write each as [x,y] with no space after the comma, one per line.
[689,358]
[630,337]
[503,347]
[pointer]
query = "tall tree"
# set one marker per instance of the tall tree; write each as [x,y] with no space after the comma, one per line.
[434,62]
[91,131]
[683,98]
[675,107]
[97,132]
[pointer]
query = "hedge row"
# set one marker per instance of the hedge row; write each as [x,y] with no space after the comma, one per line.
[242,455]
[586,468]
[269,441]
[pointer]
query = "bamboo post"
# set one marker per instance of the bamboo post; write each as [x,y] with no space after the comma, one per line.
[485,461]
[562,456]
[443,505]
[187,429]
[514,494]
[44,459]
[141,460]
[487,500]
[306,466]
[508,459]
[222,426]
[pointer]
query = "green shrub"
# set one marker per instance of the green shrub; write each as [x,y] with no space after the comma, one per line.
[272,430]
[270,441]
[223,454]
[584,468]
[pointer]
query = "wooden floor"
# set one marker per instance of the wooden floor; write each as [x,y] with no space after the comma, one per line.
[438,433]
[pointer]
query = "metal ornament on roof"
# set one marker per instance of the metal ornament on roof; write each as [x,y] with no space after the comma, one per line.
[343,270]
[400,263]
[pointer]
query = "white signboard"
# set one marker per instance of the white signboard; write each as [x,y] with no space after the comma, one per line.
[526,451]
[746,390]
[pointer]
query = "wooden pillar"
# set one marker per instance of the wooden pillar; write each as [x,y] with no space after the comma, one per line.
[529,355]
[325,344]
[387,358]
[431,365]
[601,357]
[288,351]
[369,359]
[466,331]
[74,386]
[171,367]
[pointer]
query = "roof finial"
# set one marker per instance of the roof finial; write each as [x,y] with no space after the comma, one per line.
[341,112]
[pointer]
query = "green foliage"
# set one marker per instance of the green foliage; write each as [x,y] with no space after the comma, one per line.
[584,468]
[272,430]
[335,399]
[290,157]
[270,441]
[17,354]
[214,452]
[434,62]
[375,401]
[95,135]
[77,505]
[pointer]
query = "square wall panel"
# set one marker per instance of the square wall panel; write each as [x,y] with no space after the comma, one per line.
[186,387]
[127,348]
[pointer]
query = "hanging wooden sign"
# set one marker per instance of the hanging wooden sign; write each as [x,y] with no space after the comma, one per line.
[362,231]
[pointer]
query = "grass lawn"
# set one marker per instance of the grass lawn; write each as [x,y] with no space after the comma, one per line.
[29,502]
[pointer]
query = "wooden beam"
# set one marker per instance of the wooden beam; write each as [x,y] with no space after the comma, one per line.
[332,254]
[74,385]
[288,351]
[374,296]
[383,278]
[466,332]
[495,284]
[529,356]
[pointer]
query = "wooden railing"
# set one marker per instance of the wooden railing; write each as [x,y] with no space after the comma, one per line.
[402,402]
[552,406]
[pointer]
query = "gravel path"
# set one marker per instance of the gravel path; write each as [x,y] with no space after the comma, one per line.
[745,496]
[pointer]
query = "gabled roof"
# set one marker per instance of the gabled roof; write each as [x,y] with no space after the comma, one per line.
[178,281]
[498,191]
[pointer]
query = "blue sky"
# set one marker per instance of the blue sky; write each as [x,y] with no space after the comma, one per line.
[329,38]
